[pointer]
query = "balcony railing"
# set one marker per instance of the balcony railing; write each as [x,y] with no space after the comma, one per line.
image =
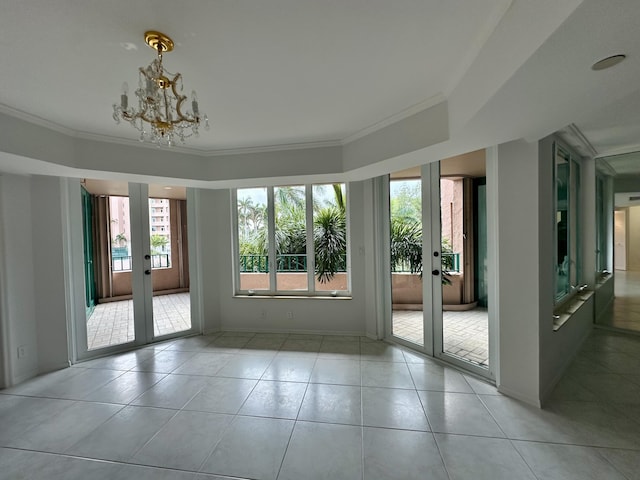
[284,263]
[122,263]
[448,259]
[451,259]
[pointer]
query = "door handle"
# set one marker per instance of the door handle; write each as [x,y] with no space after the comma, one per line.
[147,257]
[147,272]
[435,272]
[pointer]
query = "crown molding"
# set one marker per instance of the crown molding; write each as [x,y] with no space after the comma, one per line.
[574,137]
[605,168]
[274,148]
[209,153]
[128,142]
[34,119]
[620,151]
[418,107]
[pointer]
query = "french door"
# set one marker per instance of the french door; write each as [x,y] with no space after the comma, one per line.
[137,245]
[437,235]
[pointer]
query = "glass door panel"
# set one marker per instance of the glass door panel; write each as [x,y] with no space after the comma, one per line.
[108,265]
[136,266]
[169,266]
[463,246]
[405,220]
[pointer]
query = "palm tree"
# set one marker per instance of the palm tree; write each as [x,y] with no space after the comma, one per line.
[330,242]
[406,245]
[158,242]
[245,208]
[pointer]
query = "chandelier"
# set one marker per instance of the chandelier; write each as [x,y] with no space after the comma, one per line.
[160,117]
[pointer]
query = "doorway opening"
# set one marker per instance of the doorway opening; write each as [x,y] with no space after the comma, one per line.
[463,219]
[441,307]
[109,236]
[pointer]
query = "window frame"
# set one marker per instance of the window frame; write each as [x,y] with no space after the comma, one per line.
[574,224]
[273,291]
[602,225]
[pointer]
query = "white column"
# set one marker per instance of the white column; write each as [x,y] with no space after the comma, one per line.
[514,204]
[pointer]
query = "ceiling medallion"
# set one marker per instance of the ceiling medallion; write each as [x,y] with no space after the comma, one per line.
[160,118]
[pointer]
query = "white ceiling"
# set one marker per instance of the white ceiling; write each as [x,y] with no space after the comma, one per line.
[304,72]
[267,72]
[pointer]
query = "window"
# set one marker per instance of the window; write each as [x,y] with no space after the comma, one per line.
[567,224]
[291,239]
[160,238]
[602,225]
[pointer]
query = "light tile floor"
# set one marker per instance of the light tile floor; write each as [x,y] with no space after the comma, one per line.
[270,406]
[626,312]
[465,334]
[111,323]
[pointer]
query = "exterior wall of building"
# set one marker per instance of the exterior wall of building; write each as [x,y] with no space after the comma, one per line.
[291,281]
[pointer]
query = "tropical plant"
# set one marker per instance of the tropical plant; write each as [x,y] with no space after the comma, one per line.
[330,242]
[406,245]
[120,240]
[329,228]
[447,260]
[406,200]
[406,248]
[158,242]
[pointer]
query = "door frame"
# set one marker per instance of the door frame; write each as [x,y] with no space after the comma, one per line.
[141,284]
[431,283]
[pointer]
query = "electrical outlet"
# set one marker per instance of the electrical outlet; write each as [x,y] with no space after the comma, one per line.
[22,351]
[289,314]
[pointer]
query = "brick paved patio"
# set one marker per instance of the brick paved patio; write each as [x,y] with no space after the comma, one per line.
[112,323]
[465,333]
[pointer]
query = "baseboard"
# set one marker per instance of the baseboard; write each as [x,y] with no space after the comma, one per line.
[22,378]
[53,367]
[287,331]
[534,402]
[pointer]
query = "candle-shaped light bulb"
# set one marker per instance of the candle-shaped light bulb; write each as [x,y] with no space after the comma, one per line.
[124,99]
[194,103]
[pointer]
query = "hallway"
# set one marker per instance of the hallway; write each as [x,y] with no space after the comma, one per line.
[626,305]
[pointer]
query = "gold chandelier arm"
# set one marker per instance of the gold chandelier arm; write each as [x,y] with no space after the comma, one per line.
[179,101]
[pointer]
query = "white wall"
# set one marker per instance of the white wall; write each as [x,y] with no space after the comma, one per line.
[212,220]
[558,348]
[223,311]
[49,285]
[518,259]
[18,295]
[620,239]
[34,288]
[633,236]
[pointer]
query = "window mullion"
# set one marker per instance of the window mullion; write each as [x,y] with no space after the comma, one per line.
[271,222]
[236,239]
[311,256]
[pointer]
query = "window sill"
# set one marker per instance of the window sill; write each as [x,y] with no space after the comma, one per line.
[569,308]
[603,277]
[291,297]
